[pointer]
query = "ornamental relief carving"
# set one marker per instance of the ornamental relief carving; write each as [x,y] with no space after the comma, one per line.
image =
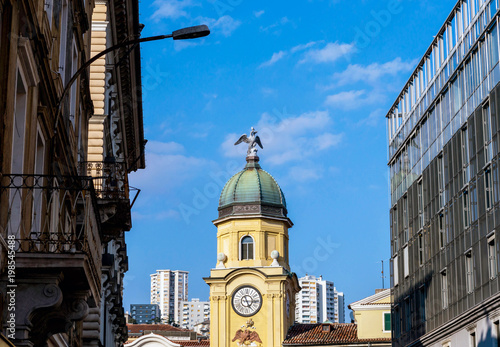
[225,211]
[272,210]
[247,335]
[218,297]
[274,296]
[247,208]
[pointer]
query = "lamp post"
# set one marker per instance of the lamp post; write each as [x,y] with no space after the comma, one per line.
[181,34]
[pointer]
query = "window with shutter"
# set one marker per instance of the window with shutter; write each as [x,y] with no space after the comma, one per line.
[387,321]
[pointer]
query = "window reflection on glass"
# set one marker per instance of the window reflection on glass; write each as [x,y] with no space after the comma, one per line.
[442,235]
[492,258]
[473,203]
[441,180]
[444,290]
[469,269]
[465,204]
[488,148]
[488,188]
[420,249]
[420,192]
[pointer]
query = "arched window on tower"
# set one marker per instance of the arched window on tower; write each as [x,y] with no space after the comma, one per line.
[246,248]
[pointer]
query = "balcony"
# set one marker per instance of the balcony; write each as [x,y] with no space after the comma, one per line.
[112,190]
[53,218]
[55,227]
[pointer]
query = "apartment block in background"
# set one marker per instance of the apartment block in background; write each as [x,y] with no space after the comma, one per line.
[168,289]
[145,313]
[194,312]
[318,301]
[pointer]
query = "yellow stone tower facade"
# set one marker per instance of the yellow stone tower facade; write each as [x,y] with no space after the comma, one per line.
[252,291]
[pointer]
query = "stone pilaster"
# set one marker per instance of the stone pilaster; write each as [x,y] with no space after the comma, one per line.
[91,328]
[98,81]
[96,135]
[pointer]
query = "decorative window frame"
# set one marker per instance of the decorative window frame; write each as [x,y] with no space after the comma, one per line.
[240,247]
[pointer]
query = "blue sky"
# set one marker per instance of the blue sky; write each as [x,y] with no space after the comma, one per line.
[315,78]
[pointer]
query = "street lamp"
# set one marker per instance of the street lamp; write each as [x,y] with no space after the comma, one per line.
[181,34]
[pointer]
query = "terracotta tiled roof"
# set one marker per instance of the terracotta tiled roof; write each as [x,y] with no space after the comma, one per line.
[313,334]
[186,343]
[194,343]
[140,328]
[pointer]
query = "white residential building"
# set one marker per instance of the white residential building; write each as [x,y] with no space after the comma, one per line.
[318,301]
[168,289]
[338,306]
[194,312]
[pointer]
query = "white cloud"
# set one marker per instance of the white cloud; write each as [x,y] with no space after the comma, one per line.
[171,9]
[328,140]
[303,174]
[276,57]
[333,170]
[328,54]
[208,106]
[353,99]
[302,47]
[375,81]
[167,164]
[346,100]
[266,91]
[290,139]
[199,130]
[164,147]
[281,22]
[373,72]
[179,45]
[225,25]
[160,215]
[373,118]
[257,14]
[175,9]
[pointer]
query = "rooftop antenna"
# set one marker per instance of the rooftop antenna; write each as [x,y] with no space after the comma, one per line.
[383,286]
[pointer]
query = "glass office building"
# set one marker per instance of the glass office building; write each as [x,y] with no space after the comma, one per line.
[443,136]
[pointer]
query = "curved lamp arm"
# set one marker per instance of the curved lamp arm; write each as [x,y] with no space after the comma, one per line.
[181,34]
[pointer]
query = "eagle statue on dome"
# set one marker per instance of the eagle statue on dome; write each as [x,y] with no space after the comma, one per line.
[253,140]
[247,337]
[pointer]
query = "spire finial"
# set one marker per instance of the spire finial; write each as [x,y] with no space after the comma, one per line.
[253,140]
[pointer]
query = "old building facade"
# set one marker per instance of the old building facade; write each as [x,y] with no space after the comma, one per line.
[64,162]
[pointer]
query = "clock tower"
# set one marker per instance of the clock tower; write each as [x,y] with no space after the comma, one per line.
[252,291]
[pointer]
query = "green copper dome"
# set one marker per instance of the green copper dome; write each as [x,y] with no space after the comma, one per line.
[252,190]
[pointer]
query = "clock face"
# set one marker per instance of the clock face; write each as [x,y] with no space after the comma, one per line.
[247,301]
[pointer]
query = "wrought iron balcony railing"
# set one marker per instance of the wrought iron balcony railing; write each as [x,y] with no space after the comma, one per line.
[52,214]
[110,179]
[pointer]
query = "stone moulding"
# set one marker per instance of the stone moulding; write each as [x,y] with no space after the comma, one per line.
[253,209]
